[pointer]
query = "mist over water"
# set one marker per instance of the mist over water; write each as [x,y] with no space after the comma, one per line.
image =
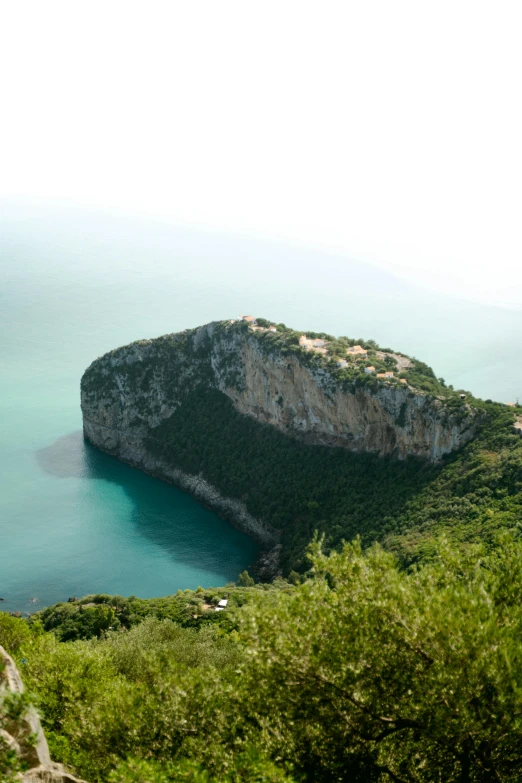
[73,286]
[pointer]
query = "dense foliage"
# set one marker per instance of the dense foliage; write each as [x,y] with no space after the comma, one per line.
[365,672]
[299,489]
[96,614]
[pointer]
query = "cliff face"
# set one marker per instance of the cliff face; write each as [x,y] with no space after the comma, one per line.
[133,389]
[307,403]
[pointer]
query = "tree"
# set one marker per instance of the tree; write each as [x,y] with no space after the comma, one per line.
[245,580]
[370,673]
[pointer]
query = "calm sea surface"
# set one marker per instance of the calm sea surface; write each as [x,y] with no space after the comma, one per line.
[75,521]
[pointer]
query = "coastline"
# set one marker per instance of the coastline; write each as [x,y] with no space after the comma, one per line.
[129,449]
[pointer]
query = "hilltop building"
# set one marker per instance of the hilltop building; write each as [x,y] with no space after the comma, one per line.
[358,351]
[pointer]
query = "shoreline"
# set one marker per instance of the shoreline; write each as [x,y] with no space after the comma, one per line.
[130,450]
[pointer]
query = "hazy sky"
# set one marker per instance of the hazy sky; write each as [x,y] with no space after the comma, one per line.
[388,131]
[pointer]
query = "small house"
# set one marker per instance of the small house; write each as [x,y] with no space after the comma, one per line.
[369,369]
[272,329]
[511,404]
[318,343]
[358,351]
[223,603]
[403,380]
[462,396]
[342,363]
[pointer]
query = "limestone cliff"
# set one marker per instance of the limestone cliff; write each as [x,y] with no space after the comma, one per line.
[132,389]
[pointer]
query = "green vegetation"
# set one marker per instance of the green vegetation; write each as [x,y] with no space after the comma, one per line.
[365,672]
[12,707]
[301,489]
[95,615]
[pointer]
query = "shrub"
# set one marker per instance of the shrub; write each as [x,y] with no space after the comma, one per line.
[14,632]
[245,580]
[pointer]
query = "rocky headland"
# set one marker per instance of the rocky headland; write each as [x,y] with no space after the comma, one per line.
[318,389]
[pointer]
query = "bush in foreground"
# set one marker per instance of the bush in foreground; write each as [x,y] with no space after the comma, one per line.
[363,673]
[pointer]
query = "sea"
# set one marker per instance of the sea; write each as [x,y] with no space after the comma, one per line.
[75,284]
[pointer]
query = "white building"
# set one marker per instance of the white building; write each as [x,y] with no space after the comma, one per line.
[369,369]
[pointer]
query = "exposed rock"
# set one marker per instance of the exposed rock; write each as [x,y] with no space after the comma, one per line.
[49,773]
[267,566]
[19,735]
[282,391]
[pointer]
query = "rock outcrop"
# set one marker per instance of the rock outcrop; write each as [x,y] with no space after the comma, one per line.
[25,736]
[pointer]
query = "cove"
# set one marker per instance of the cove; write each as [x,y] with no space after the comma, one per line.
[103,527]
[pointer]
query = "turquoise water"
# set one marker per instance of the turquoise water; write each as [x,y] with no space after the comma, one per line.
[73,286]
